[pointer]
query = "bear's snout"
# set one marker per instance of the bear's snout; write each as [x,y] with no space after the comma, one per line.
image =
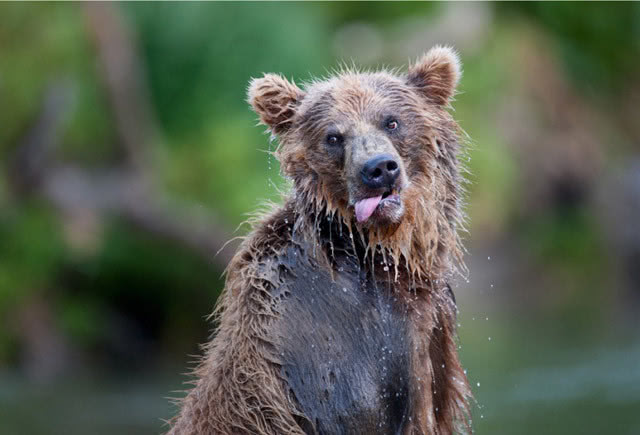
[380,171]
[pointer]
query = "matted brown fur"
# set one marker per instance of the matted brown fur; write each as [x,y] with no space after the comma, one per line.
[239,386]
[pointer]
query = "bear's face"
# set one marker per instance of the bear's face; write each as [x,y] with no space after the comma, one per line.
[366,144]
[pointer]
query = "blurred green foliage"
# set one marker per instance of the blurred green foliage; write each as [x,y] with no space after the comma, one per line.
[599,42]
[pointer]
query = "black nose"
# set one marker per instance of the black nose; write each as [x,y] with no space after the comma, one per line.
[380,171]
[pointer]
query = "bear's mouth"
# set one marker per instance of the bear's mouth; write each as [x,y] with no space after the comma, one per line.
[388,201]
[389,197]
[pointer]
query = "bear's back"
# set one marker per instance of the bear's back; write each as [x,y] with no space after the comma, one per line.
[343,346]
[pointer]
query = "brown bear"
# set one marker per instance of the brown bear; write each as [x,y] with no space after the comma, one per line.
[337,316]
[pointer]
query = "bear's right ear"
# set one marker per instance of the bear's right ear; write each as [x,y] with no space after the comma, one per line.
[274,99]
[436,74]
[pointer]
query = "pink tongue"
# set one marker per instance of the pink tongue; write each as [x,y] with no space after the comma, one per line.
[366,207]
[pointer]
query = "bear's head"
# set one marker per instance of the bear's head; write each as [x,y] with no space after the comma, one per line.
[377,149]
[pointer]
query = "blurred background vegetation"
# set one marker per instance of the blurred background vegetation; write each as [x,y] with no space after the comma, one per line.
[129,156]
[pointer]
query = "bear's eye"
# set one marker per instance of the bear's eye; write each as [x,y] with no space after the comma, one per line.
[334,139]
[391,125]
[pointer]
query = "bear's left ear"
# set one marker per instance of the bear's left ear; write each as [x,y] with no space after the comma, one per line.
[275,100]
[436,74]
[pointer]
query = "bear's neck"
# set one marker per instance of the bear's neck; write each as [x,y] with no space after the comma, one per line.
[397,256]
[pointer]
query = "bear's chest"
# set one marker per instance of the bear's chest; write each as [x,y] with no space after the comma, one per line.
[344,347]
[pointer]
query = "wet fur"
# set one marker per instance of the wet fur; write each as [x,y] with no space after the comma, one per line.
[327,326]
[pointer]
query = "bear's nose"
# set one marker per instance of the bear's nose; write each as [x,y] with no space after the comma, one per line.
[380,171]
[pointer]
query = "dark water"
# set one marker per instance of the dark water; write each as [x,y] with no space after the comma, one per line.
[581,390]
[527,386]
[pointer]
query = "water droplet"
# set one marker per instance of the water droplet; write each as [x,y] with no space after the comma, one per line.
[344,289]
[488,258]
[486,318]
[489,338]
[478,384]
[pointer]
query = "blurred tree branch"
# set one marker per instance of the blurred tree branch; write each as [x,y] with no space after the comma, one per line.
[123,79]
[128,190]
